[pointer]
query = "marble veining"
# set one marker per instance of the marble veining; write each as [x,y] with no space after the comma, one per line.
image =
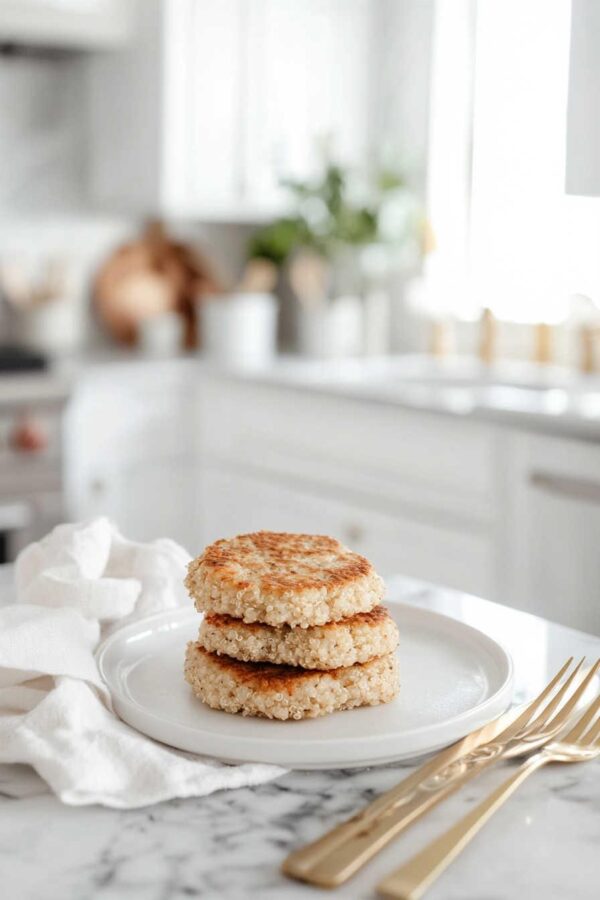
[543,844]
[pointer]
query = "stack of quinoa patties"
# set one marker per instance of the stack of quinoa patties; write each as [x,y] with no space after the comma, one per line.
[293,628]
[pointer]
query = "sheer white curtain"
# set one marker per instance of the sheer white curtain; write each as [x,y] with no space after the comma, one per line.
[511,239]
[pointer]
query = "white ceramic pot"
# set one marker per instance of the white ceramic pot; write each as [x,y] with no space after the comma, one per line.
[377,322]
[239,330]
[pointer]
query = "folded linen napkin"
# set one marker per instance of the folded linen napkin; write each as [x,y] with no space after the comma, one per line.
[73,587]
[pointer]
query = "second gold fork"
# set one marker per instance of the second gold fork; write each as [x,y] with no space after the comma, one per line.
[582,743]
[339,854]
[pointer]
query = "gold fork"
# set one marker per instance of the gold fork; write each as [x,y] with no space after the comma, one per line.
[339,854]
[410,882]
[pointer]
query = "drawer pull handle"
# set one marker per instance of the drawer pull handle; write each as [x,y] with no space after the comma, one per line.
[562,485]
[28,436]
[98,487]
[354,533]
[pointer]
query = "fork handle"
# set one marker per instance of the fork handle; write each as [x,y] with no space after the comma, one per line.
[337,855]
[411,880]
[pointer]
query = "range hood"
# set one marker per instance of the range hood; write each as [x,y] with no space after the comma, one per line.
[75,24]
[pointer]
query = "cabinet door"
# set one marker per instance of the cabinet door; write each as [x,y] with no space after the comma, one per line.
[203,84]
[166,112]
[215,101]
[306,87]
[130,450]
[234,502]
[155,499]
[556,531]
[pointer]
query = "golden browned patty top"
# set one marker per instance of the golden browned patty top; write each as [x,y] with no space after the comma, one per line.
[279,561]
[283,579]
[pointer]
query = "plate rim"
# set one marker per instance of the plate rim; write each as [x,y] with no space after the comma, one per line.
[253,745]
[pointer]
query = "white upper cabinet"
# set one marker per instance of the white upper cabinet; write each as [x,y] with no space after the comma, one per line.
[217,100]
[583,129]
[80,24]
[307,87]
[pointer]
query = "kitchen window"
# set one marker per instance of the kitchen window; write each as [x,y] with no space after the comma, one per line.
[507,236]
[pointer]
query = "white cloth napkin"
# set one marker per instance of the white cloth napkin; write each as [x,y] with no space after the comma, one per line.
[74,586]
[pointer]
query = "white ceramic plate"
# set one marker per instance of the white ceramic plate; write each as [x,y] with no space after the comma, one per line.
[454,679]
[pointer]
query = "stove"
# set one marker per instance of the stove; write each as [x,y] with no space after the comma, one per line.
[33,400]
[19,359]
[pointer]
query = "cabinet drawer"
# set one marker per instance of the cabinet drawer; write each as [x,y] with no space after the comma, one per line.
[234,503]
[124,416]
[554,528]
[416,458]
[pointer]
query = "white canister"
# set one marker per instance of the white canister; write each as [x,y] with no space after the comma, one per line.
[331,330]
[239,330]
[161,335]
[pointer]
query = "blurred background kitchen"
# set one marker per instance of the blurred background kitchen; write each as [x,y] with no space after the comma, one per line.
[323,265]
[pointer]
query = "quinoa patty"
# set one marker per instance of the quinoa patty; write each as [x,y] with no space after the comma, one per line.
[284,692]
[356,639]
[283,579]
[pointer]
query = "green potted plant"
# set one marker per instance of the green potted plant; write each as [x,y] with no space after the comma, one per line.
[347,233]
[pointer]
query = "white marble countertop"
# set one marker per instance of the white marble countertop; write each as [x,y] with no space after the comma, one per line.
[549,399]
[228,846]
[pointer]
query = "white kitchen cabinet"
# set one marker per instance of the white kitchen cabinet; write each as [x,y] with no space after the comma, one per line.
[235,501]
[416,493]
[308,82]
[436,465]
[554,529]
[148,499]
[131,450]
[215,101]
[177,449]
[166,113]
[583,126]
